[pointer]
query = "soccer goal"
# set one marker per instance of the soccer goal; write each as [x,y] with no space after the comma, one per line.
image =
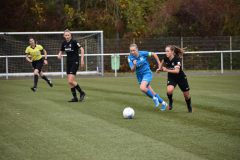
[13,45]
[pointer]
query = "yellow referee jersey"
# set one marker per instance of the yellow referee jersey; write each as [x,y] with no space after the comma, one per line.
[35,53]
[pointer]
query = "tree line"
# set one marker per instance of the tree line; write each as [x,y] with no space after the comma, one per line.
[124,18]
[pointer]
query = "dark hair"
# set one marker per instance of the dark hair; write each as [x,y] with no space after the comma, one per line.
[33,39]
[178,51]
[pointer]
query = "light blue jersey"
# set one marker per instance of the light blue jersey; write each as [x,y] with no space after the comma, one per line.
[142,62]
[143,71]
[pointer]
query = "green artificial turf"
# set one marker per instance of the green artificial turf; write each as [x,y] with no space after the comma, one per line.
[43,125]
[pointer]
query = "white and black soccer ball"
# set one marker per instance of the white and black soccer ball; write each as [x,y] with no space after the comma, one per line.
[128,113]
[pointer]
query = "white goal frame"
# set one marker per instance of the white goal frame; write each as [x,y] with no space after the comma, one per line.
[62,73]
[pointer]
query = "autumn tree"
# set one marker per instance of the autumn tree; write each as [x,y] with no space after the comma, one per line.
[124,18]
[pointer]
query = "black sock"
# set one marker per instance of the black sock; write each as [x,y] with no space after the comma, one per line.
[45,78]
[74,92]
[79,89]
[35,81]
[189,105]
[170,99]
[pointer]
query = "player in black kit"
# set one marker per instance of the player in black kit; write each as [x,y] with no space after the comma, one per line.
[71,48]
[176,76]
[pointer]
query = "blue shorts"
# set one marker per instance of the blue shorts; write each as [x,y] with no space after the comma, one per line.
[147,76]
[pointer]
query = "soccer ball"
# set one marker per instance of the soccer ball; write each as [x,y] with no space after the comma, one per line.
[128,113]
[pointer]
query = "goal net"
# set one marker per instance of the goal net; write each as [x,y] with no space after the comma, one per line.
[13,45]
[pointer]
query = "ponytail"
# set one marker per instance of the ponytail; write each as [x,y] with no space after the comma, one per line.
[178,51]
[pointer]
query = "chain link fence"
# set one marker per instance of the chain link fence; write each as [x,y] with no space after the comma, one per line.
[199,61]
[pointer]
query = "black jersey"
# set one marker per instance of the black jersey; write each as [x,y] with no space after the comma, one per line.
[71,48]
[170,64]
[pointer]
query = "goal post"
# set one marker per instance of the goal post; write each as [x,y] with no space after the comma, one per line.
[13,45]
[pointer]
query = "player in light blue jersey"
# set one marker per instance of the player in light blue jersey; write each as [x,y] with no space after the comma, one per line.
[138,62]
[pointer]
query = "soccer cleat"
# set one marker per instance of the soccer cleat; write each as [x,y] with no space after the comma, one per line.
[156,102]
[164,106]
[34,89]
[73,100]
[50,83]
[82,96]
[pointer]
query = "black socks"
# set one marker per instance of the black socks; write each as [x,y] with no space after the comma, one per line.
[74,93]
[35,81]
[170,99]
[188,101]
[45,78]
[78,88]
[189,105]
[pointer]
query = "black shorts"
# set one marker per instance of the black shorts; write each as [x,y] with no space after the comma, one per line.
[38,64]
[72,67]
[181,81]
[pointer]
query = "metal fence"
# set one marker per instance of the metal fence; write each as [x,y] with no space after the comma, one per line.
[194,60]
[203,53]
[158,44]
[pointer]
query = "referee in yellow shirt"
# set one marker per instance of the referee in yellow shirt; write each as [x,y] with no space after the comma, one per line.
[34,56]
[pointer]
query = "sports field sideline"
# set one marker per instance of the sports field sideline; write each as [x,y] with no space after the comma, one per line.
[43,125]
